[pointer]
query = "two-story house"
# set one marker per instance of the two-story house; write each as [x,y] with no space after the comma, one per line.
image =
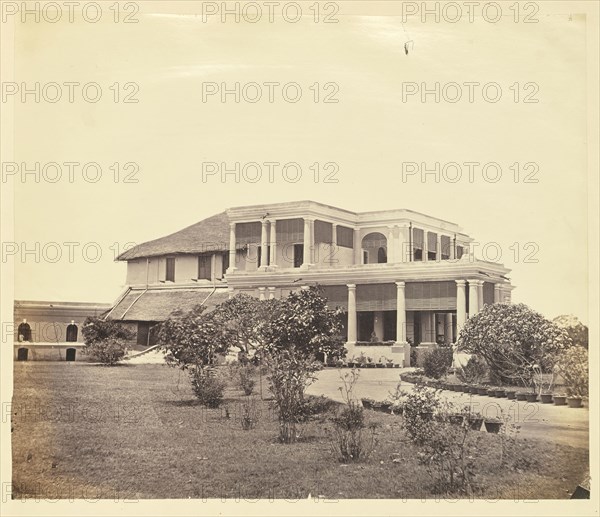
[401,276]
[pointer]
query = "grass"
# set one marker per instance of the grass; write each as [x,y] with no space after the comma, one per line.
[137,431]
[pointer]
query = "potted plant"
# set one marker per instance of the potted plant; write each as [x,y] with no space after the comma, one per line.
[475,420]
[521,395]
[380,363]
[361,360]
[546,398]
[531,396]
[396,365]
[544,383]
[500,393]
[560,399]
[368,403]
[492,425]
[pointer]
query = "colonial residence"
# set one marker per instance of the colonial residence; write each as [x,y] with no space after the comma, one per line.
[401,276]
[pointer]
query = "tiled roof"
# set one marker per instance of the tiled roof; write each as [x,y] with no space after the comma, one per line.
[208,235]
[158,304]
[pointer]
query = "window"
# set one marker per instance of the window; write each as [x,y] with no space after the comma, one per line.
[205,267]
[365,256]
[446,244]
[298,255]
[71,333]
[323,232]
[170,270]
[381,255]
[431,246]
[417,244]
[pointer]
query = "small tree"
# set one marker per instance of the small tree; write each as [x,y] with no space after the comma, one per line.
[577,331]
[513,340]
[300,326]
[105,340]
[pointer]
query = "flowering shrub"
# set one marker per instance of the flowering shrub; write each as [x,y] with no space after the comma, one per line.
[573,366]
[474,372]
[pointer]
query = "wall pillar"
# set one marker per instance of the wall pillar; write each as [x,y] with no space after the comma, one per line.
[480,293]
[232,247]
[264,243]
[308,243]
[448,328]
[438,254]
[473,297]
[261,293]
[425,246]
[273,240]
[461,302]
[334,246]
[271,293]
[352,319]
[357,247]
[400,313]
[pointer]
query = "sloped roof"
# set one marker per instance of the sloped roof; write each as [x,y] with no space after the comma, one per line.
[211,234]
[158,304]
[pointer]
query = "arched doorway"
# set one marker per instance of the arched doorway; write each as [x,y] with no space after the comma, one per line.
[24,332]
[375,246]
[72,332]
[71,353]
[22,354]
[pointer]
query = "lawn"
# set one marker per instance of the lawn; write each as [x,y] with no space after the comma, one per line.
[136,431]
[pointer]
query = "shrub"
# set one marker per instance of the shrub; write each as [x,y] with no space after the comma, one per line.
[97,329]
[314,407]
[573,366]
[108,351]
[249,414]
[418,409]
[207,387]
[437,362]
[247,378]
[474,372]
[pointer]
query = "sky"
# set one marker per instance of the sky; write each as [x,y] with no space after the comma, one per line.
[533,219]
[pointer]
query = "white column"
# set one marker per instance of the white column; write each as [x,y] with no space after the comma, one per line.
[352,320]
[438,254]
[473,297]
[480,294]
[308,240]
[461,301]
[357,247]
[400,313]
[391,243]
[263,245]
[432,328]
[333,251]
[261,293]
[271,293]
[403,254]
[425,245]
[448,334]
[232,247]
[452,250]
[273,239]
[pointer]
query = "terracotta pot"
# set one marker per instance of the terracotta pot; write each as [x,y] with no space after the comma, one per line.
[390,365]
[521,396]
[500,393]
[560,400]
[455,419]
[532,397]
[473,389]
[493,427]
[546,398]
[482,391]
[370,365]
[475,423]
[574,402]
[396,366]
[491,392]
[510,395]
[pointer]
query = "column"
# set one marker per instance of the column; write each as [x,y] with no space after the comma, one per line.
[308,240]
[461,302]
[497,293]
[352,321]
[232,247]
[261,293]
[273,239]
[425,246]
[438,254]
[473,297]
[263,245]
[391,243]
[333,251]
[271,293]
[480,293]
[400,313]
[448,335]
[357,247]
[432,328]
[403,253]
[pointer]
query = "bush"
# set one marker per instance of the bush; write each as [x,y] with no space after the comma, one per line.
[207,387]
[573,366]
[95,330]
[418,409]
[437,362]
[314,407]
[247,378]
[108,351]
[474,372]
[249,414]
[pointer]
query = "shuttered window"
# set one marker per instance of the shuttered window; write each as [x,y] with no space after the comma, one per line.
[247,233]
[323,232]
[446,246]
[290,230]
[430,296]
[417,242]
[376,297]
[345,237]
[170,269]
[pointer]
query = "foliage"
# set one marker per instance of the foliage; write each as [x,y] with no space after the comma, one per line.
[573,366]
[97,329]
[108,351]
[192,338]
[474,372]
[512,339]
[577,331]
[437,362]
[247,377]
[418,409]
[250,413]
[316,407]
[300,327]
[351,440]
[207,387]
